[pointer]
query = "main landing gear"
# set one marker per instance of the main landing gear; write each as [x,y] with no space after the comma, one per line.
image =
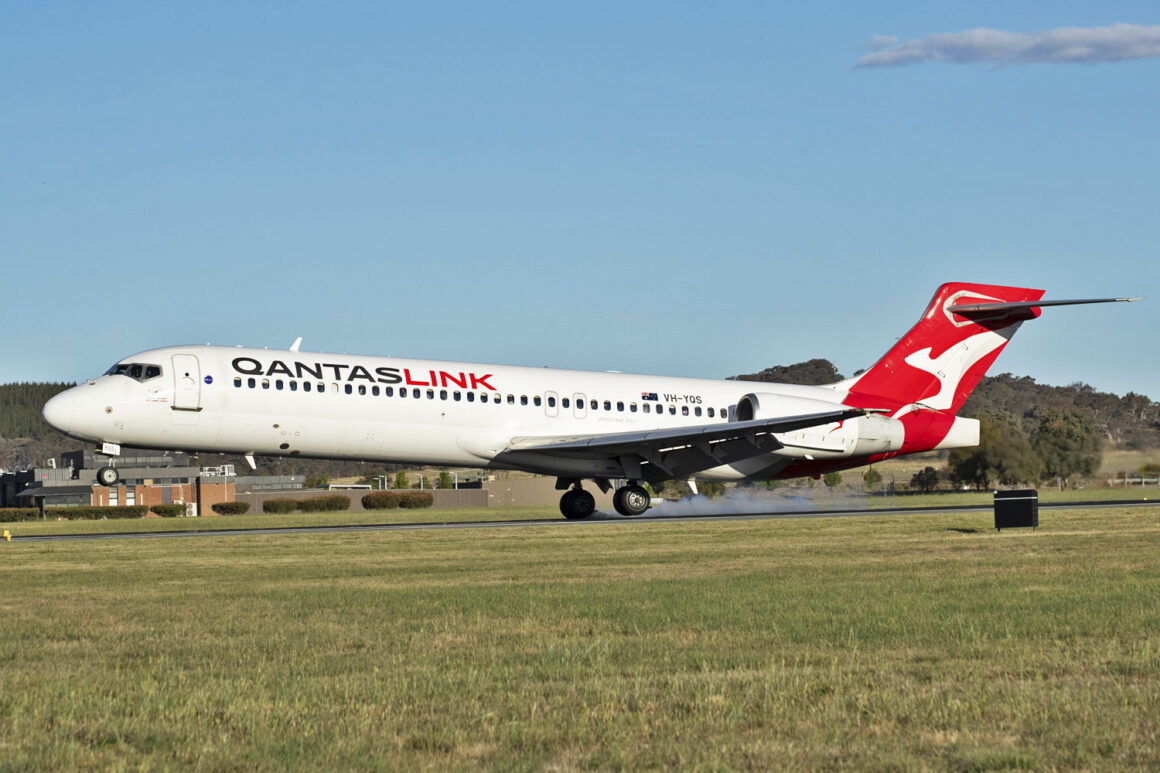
[577,504]
[632,499]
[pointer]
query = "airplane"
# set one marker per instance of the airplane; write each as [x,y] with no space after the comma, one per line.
[575,425]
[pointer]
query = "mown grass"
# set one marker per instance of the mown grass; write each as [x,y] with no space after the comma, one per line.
[878,643]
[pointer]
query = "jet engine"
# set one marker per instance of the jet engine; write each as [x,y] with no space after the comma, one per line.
[862,436]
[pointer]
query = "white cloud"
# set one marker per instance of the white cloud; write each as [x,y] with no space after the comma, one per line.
[1082,45]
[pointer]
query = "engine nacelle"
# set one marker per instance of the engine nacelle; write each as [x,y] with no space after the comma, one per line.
[861,436]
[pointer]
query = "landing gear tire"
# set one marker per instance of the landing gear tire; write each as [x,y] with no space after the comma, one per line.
[107,476]
[631,500]
[577,504]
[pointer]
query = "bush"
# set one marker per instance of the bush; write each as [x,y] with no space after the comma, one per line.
[279,505]
[99,513]
[169,511]
[230,508]
[17,514]
[326,504]
[415,500]
[381,500]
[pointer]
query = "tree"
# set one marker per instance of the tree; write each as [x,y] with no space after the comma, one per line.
[317,481]
[1003,455]
[816,371]
[445,480]
[401,480]
[871,478]
[832,479]
[711,488]
[1068,443]
[925,480]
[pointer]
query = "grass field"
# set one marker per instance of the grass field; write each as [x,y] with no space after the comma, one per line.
[925,641]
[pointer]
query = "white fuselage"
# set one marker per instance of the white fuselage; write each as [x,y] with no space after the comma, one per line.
[409,411]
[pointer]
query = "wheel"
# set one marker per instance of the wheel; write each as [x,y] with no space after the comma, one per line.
[577,504]
[631,500]
[107,476]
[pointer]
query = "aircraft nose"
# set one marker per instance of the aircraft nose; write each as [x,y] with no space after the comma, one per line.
[58,412]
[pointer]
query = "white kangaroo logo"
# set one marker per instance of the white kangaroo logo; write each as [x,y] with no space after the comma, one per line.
[950,366]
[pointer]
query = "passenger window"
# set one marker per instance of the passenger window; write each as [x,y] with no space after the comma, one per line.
[430,394]
[238,381]
[619,406]
[321,387]
[711,413]
[265,383]
[483,397]
[278,384]
[697,410]
[362,389]
[564,401]
[293,386]
[672,410]
[647,407]
[251,382]
[537,400]
[349,389]
[684,410]
[457,395]
[523,399]
[551,402]
[442,394]
[374,391]
[305,386]
[470,397]
[608,405]
[594,405]
[388,391]
[415,393]
[632,407]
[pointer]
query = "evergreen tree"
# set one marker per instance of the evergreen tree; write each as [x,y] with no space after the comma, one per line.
[1068,444]
[1003,455]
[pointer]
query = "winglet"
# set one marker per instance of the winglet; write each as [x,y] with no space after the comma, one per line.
[297,342]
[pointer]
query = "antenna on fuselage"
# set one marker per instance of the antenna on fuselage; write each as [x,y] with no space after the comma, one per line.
[297,342]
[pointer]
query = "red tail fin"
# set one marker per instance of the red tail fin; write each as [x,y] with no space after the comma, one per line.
[944,356]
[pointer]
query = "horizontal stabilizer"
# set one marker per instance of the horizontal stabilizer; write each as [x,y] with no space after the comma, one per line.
[984,308]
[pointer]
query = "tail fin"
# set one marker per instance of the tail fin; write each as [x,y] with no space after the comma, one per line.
[948,351]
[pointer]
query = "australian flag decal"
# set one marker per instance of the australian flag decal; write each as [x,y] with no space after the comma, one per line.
[649,396]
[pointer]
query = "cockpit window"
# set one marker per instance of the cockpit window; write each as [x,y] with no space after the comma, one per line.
[135,370]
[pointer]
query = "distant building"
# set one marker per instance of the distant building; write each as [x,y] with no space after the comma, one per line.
[145,478]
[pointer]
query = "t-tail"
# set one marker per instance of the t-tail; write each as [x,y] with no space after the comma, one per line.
[927,376]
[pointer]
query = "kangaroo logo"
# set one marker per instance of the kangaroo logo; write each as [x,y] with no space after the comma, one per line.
[950,366]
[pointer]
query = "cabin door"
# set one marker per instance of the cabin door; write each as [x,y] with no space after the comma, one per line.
[186,383]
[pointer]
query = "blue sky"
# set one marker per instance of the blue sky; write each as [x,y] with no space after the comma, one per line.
[695,189]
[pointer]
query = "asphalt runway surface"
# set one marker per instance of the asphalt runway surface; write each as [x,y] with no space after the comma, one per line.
[654,516]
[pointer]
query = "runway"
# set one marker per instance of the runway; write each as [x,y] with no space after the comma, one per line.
[598,519]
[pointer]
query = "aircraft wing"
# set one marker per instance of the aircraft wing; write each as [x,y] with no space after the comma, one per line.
[681,451]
